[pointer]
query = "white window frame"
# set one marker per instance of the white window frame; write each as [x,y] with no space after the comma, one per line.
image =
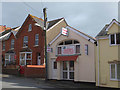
[37,39]
[25,57]
[86,46]
[12,44]
[116,79]
[30,27]
[25,41]
[115,39]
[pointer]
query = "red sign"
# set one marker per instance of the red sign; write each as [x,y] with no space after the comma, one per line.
[48,49]
[64,31]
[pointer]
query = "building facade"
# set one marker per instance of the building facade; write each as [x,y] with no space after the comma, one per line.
[72,56]
[108,56]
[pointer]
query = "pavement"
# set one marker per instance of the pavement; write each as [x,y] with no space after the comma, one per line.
[11,81]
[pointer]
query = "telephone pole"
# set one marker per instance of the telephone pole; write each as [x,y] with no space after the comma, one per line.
[45,21]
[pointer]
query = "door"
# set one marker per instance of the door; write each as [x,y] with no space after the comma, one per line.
[54,69]
[39,60]
[68,70]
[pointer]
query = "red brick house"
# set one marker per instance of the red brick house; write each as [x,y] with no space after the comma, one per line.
[24,45]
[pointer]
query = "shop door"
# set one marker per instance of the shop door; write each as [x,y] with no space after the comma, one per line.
[38,60]
[54,69]
[68,70]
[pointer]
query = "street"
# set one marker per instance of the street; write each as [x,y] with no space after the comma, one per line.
[10,81]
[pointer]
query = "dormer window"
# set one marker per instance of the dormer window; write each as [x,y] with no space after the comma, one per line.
[115,39]
[30,27]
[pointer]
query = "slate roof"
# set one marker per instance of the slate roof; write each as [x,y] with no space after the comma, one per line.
[53,22]
[103,32]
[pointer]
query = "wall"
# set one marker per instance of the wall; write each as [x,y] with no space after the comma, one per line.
[84,66]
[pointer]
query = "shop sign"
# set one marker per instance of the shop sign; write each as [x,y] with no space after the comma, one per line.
[68,50]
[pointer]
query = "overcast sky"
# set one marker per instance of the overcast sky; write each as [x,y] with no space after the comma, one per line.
[88,17]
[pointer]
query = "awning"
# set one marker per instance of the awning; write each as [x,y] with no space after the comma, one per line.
[67,58]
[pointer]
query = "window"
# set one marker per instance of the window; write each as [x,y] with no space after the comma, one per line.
[12,43]
[114,71]
[3,46]
[59,50]
[36,39]
[77,48]
[118,38]
[9,59]
[30,27]
[68,42]
[25,41]
[55,65]
[115,39]
[86,49]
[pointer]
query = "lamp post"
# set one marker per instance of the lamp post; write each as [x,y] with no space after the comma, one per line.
[45,21]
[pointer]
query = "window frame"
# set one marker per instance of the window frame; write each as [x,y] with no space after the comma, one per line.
[115,39]
[3,45]
[116,77]
[36,40]
[25,42]
[30,27]
[12,44]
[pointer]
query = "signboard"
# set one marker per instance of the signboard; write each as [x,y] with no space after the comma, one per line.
[68,50]
[64,31]
[48,49]
[86,49]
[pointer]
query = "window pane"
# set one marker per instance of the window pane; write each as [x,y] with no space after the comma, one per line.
[71,75]
[36,39]
[7,57]
[29,56]
[22,56]
[113,71]
[12,43]
[75,42]
[55,65]
[118,38]
[64,65]
[61,43]
[77,48]
[59,50]
[118,71]
[30,27]
[68,42]
[71,65]
[25,42]
[65,75]
[3,46]
[113,39]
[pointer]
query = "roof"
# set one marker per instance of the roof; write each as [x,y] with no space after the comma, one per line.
[3,28]
[53,22]
[104,31]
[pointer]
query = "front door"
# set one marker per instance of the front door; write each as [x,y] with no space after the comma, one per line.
[54,69]
[68,70]
[38,60]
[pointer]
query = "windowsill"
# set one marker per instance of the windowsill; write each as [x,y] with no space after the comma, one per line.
[68,55]
[11,48]
[114,44]
[115,79]
[25,47]
[36,45]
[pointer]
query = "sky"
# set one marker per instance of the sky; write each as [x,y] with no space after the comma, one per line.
[88,17]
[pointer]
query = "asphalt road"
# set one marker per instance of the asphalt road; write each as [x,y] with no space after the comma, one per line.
[9,81]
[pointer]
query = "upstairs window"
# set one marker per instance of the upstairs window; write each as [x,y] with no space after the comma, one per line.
[25,41]
[12,44]
[3,46]
[36,39]
[30,27]
[115,39]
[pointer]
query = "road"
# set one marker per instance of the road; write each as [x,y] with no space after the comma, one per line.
[10,81]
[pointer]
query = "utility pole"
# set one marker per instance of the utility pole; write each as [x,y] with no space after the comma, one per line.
[45,21]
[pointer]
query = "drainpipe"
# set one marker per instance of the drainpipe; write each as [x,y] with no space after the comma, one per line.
[98,60]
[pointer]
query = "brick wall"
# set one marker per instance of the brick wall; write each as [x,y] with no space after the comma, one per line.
[34,72]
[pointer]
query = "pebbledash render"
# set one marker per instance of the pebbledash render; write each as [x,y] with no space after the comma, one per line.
[72,56]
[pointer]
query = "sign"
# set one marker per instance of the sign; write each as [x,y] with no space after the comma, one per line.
[68,50]
[86,49]
[64,31]
[49,49]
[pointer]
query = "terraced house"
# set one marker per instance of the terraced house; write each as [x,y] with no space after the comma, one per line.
[108,56]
